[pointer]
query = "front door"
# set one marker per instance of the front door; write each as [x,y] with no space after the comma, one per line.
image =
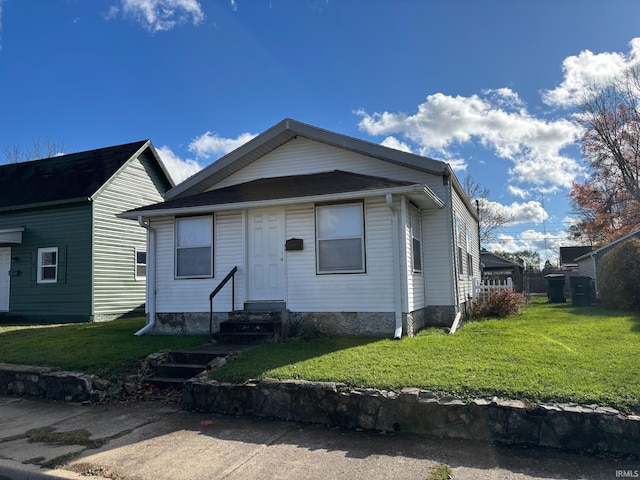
[266,254]
[5,266]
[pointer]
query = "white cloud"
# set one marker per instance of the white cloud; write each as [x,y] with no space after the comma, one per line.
[547,244]
[586,71]
[498,121]
[178,168]
[209,144]
[393,142]
[531,211]
[517,191]
[159,15]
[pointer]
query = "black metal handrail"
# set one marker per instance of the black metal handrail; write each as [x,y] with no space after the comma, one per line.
[230,276]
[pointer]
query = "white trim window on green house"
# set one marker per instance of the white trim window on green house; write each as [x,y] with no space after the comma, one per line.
[64,254]
[357,238]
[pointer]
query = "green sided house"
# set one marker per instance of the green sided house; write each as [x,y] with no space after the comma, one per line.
[318,228]
[64,255]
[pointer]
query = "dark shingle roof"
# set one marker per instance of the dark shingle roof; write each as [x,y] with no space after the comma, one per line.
[295,186]
[67,177]
[491,260]
[569,254]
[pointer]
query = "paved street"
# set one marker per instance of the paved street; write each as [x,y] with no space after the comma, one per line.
[156,440]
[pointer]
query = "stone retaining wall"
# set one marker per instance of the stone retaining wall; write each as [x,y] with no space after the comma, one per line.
[47,383]
[562,426]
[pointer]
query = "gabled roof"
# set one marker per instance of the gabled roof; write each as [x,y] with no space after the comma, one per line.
[283,132]
[491,260]
[289,189]
[602,250]
[66,178]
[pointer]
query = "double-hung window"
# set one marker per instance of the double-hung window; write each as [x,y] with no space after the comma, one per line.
[140,264]
[48,265]
[340,238]
[469,253]
[460,248]
[194,247]
[416,238]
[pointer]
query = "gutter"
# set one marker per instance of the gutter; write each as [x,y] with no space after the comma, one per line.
[397,275]
[151,276]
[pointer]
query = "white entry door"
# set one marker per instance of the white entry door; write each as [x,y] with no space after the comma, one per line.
[266,254]
[5,279]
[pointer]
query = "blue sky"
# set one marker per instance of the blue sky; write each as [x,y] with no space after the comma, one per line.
[488,86]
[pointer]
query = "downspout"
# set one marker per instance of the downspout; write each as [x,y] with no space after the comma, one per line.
[452,219]
[397,274]
[151,276]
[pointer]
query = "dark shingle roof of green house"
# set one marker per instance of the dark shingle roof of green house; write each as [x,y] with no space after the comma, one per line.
[64,178]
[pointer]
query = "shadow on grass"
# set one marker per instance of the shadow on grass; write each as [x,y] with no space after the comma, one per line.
[599,310]
[108,348]
[256,362]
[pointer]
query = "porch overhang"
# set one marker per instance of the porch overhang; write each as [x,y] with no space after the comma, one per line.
[11,235]
[419,194]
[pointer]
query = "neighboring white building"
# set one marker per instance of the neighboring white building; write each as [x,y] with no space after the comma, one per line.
[588,263]
[364,239]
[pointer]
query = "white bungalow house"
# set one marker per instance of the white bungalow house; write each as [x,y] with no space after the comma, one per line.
[359,238]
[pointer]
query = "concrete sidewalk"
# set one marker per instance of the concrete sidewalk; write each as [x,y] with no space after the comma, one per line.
[156,441]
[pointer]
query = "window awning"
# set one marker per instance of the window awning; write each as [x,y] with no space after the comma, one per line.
[11,235]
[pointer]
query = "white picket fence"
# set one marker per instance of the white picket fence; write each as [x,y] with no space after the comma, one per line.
[485,286]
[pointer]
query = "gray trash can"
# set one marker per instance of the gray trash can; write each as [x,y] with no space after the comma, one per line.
[555,288]
[580,291]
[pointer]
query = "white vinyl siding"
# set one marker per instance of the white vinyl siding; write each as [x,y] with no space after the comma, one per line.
[372,291]
[438,245]
[469,247]
[115,287]
[192,295]
[413,234]
[302,156]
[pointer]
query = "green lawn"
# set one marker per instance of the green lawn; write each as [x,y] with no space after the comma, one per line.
[552,352]
[105,349]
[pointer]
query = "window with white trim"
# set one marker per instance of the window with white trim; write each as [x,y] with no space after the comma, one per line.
[340,238]
[48,265]
[140,264]
[194,247]
[469,253]
[416,238]
[460,245]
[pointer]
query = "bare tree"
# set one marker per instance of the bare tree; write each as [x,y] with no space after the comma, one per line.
[491,220]
[39,148]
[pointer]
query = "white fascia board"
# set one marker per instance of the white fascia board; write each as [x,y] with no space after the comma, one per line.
[424,193]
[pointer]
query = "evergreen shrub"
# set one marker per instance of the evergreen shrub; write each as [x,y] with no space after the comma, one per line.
[618,274]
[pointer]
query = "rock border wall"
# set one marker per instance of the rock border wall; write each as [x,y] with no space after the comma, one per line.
[587,429]
[45,382]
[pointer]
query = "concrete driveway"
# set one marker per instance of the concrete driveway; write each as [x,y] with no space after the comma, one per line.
[157,440]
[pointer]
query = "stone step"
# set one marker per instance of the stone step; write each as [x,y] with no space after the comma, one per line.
[167,382]
[180,370]
[245,337]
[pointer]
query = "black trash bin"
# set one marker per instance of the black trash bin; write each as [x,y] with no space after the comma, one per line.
[555,288]
[580,291]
